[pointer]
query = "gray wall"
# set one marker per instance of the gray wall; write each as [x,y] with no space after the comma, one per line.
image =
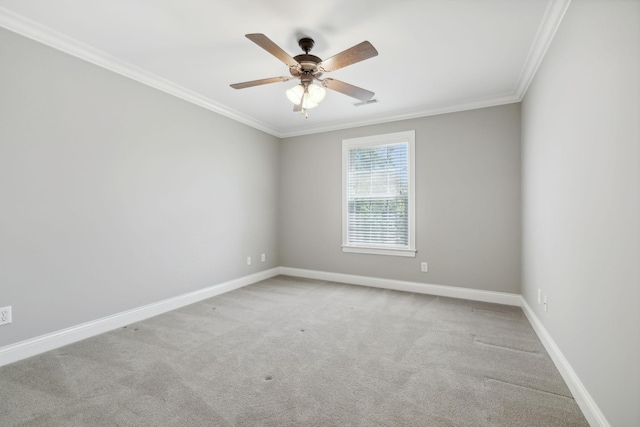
[114,195]
[581,187]
[467,208]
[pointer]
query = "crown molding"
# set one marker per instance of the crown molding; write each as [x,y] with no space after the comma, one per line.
[553,16]
[42,34]
[453,108]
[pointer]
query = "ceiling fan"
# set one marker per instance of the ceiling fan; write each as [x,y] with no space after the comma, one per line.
[308,68]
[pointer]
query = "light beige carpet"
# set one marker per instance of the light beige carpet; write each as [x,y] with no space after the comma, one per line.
[294,352]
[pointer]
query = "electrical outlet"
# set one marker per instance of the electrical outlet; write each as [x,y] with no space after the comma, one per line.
[546,305]
[5,315]
[424,267]
[248,260]
[263,258]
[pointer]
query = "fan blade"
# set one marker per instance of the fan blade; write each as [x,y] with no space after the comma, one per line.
[297,108]
[275,50]
[347,89]
[260,82]
[357,53]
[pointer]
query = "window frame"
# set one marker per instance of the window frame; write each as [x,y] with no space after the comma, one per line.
[407,137]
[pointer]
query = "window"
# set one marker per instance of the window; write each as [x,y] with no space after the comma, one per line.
[378,194]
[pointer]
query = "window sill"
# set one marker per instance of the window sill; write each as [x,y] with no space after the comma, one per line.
[380,251]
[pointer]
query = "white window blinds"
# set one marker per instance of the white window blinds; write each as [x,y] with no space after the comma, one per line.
[378,194]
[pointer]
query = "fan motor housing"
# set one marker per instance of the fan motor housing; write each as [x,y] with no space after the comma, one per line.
[308,65]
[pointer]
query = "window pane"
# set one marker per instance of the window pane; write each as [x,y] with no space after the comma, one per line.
[377,195]
[379,221]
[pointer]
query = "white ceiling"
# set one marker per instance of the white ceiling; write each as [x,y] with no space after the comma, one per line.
[435,56]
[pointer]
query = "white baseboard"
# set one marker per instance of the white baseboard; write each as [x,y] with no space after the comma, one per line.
[591,411]
[34,346]
[399,285]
